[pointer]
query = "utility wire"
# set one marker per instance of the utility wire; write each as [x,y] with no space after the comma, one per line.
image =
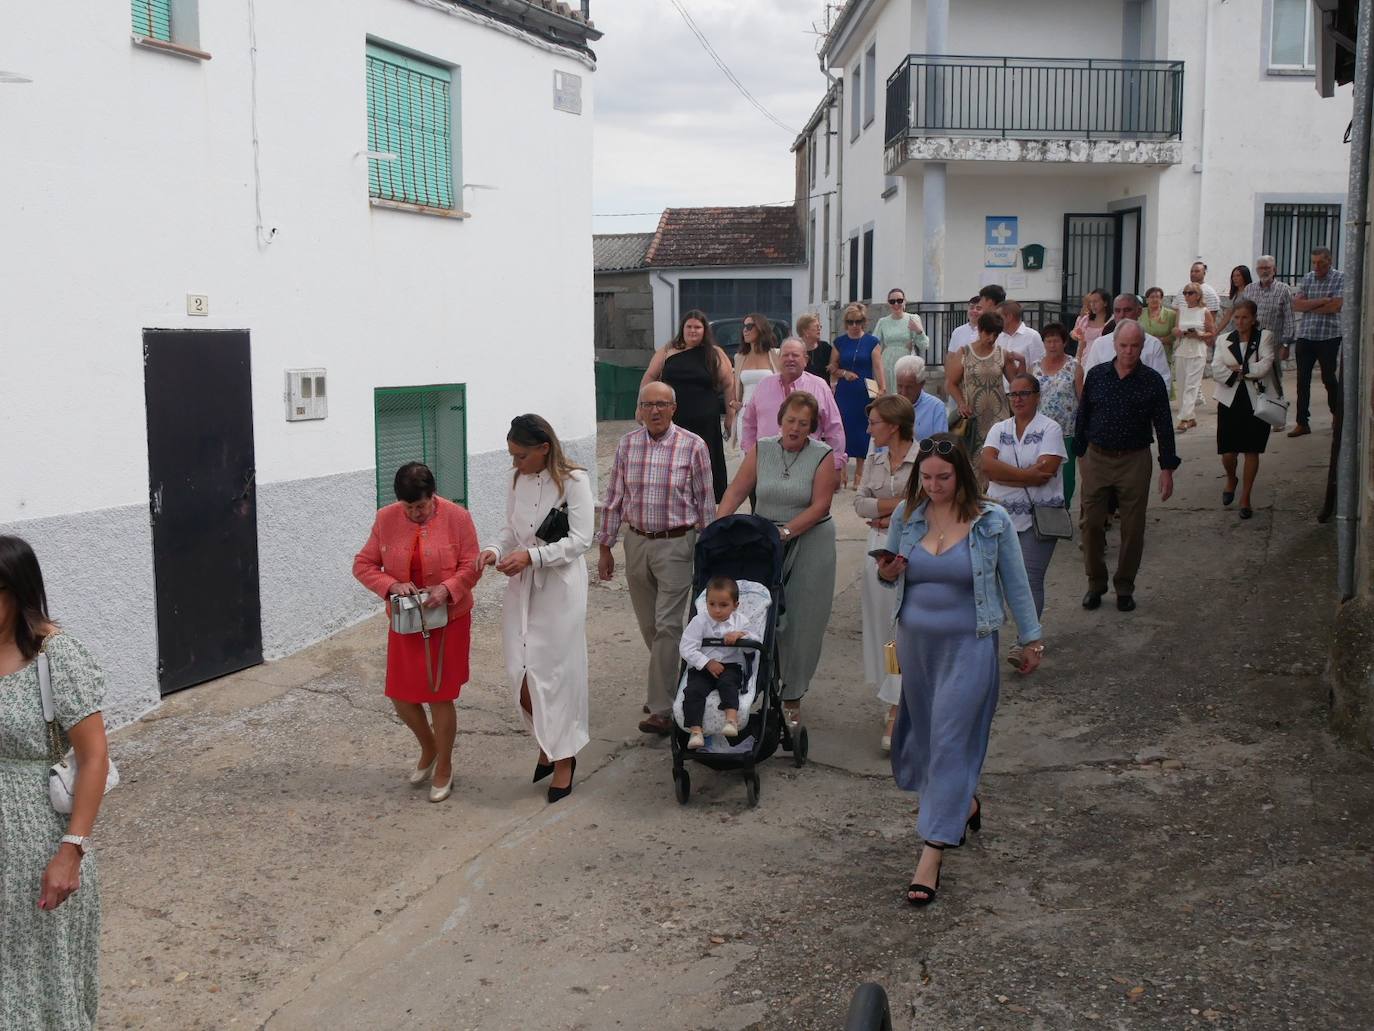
[711,51]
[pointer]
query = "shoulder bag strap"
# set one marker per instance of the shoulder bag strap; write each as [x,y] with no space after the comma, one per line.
[49,708]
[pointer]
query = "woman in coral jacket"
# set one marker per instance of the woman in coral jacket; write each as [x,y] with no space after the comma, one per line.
[424,542]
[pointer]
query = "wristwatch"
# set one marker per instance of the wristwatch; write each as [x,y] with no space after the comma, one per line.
[82,844]
[784,532]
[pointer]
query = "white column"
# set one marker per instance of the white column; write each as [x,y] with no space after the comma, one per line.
[933,182]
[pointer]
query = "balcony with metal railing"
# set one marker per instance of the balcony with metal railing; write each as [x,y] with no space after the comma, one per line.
[956,108]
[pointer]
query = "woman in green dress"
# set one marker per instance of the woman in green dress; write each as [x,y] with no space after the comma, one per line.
[49,895]
[794,478]
[899,333]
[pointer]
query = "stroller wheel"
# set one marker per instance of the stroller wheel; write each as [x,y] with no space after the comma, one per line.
[682,786]
[801,745]
[751,787]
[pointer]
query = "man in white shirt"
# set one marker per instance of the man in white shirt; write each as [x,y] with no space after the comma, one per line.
[1126,307]
[1211,300]
[1017,336]
[968,332]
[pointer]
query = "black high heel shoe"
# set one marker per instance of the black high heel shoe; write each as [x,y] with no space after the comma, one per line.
[556,794]
[929,892]
[541,770]
[975,822]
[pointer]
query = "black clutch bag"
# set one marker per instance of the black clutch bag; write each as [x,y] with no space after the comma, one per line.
[555,525]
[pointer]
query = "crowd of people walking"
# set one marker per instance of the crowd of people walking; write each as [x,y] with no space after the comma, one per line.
[965,505]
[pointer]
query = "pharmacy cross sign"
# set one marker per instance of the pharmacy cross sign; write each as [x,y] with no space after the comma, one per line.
[1000,239]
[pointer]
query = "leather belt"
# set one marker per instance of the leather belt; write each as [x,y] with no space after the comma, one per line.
[662,535]
[1110,453]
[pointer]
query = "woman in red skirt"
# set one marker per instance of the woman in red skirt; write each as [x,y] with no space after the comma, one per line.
[424,542]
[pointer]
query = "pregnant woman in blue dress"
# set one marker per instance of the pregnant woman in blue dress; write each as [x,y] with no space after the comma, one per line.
[857,356]
[955,558]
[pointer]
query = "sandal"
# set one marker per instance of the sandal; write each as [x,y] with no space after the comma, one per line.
[975,822]
[1182,426]
[928,892]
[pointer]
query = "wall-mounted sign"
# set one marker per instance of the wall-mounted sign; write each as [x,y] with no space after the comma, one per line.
[197,304]
[999,241]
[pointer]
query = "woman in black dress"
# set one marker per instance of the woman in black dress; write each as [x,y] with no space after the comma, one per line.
[699,371]
[1243,370]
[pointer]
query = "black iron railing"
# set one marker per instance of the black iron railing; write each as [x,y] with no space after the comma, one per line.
[1034,98]
[941,318]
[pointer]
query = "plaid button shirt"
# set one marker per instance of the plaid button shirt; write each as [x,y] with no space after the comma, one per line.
[1275,306]
[1317,326]
[658,484]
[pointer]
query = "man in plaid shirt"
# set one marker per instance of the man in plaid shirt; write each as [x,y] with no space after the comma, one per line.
[1318,299]
[661,490]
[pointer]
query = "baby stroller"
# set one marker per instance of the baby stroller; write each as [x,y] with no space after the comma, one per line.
[747,549]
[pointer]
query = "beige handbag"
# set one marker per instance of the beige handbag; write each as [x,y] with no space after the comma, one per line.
[890,660]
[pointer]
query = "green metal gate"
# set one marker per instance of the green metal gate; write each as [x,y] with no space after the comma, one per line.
[422,424]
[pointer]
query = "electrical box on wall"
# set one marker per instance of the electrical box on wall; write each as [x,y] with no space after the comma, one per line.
[306,395]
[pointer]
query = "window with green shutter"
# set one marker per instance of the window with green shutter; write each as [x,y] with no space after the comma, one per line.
[422,424]
[409,119]
[153,18]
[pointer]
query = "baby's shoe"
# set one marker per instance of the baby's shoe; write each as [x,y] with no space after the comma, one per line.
[730,730]
[696,740]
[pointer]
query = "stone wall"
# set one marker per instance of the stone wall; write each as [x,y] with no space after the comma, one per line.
[624,318]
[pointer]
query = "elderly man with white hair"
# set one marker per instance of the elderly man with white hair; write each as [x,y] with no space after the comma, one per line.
[760,416]
[932,416]
[1127,307]
[1274,301]
[661,491]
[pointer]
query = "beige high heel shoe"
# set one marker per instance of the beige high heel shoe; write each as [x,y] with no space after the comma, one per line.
[422,773]
[438,794]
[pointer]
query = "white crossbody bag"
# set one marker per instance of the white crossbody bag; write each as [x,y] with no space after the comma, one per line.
[62,774]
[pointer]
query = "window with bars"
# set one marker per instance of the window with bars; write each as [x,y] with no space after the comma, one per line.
[422,424]
[410,106]
[854,269]
[152,19]
[1292,230]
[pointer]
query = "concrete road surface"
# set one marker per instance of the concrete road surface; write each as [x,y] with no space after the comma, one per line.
[1172,838]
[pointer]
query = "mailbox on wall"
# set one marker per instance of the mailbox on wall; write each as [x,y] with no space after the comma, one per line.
[1033,257]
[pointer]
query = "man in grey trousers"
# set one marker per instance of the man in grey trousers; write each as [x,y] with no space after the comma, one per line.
[661,490]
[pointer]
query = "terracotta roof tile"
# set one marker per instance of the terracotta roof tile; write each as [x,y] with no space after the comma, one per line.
[756,235]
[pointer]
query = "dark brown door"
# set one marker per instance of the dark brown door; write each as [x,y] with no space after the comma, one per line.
[203,500]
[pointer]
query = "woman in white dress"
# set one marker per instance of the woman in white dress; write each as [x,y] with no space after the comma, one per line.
[891,422]
[545,612]
[755,361]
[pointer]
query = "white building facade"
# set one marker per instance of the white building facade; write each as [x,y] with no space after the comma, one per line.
[256,258]
[1119,140]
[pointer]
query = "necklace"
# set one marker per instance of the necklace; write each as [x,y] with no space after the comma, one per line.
[786,465]
[940,534]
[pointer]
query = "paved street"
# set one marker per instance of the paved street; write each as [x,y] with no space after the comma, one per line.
[1172,838]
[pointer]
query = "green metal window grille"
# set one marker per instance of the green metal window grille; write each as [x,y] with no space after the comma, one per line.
[153,18]
[422,424]
[409,114]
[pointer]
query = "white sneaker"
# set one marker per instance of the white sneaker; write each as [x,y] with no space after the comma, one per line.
[696,740]
[730,730]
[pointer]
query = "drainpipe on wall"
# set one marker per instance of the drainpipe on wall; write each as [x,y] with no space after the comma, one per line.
[1352,413]
[838,239]
[1201,166]
[933,178]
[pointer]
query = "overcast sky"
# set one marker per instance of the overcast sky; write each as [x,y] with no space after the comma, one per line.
[671,131]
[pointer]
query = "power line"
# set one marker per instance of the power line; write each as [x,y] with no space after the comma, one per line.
[711,51]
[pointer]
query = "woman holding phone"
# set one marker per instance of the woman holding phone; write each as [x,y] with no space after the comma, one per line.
[955,562]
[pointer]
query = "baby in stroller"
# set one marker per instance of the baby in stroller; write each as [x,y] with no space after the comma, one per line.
[714,667]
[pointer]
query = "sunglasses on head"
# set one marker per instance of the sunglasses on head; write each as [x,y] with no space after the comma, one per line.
[943,448]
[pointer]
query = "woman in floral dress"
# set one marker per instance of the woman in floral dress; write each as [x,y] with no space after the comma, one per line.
[1061,385]
[49,894]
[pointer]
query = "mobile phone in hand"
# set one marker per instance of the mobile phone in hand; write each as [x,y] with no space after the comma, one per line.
[882,554]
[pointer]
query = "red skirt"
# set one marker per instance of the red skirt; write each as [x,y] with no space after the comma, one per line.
[406,680]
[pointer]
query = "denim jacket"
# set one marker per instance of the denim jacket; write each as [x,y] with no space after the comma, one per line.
[999,572]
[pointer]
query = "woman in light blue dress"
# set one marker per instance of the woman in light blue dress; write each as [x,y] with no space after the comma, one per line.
[955,561]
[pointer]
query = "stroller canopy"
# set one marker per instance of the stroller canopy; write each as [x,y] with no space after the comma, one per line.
[742,547]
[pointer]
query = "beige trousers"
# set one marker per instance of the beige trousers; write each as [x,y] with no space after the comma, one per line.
[659,574]
[1129,476]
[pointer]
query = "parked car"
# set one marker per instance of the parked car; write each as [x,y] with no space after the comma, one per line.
[727,332]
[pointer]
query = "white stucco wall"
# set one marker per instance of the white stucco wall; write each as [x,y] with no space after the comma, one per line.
[131,184]
[1248,137]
